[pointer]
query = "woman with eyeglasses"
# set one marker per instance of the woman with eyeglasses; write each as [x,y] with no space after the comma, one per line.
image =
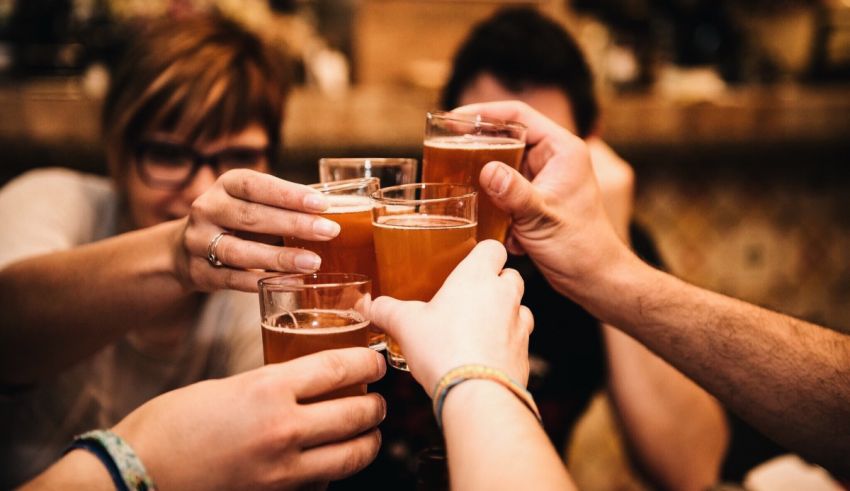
[114,291]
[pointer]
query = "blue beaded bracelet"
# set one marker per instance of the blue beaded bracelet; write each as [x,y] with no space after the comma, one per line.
[126,470]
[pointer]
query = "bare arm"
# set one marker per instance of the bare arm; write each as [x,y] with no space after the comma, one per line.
[493,440]
[60,307]
[77,470]
[786,377]
[249,431]
[651,397]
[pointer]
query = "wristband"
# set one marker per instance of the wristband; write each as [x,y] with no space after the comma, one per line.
[127,471]
[461,374]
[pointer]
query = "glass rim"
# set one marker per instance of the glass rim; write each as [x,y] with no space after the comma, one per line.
[330,280]
[475,119]
[352,161]
[470,193]
[345,184]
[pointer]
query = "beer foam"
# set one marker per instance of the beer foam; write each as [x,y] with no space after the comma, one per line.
[474,142]
[423,221]
[347,204]
[357,323]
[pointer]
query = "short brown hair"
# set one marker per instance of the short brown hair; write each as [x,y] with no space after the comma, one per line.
[202,77]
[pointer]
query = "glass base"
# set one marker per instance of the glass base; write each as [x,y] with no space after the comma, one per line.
[379,346]
[396,361]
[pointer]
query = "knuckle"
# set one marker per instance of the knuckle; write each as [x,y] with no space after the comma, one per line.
[242,183]
[248,215]
[303,223]
[355,457]
[336,369]
[285,260]
[230,279]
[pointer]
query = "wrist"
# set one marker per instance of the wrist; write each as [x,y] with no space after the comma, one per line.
[178,256]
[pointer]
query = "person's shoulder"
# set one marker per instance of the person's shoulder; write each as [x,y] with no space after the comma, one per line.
[51,180]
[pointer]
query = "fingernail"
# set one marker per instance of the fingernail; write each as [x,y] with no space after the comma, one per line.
[308,262]
[499,182]
[326,228]
[315,202]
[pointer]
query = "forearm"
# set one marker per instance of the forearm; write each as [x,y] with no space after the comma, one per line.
[651,397]
[494,442]
[60,307]
[77,470]
[788,378]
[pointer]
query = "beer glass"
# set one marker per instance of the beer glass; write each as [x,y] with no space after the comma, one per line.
[391,171]
[303,314]
[456,148]
[353,250]
[422,231]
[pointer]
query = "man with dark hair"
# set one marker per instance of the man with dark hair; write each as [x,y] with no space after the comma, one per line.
[521,54]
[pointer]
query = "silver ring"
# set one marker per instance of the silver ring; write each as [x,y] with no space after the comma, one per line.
[211,257]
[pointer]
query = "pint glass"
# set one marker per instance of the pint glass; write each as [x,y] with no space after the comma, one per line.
[422,231]
[353,250]
[303,314]
[390,171]
[456,148]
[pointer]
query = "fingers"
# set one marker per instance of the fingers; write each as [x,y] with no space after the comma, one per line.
[320,373]
[342,459]
[526,319]
[208,278]
[486,260]
[390,314]
[258,187]
[340,419]
[247,254]
[511,192]
[514,281]
[237,214]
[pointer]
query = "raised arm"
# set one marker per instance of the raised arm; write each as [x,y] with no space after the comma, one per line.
[58,307]
[249,431]
[789,378]
[648,394]
[493,440]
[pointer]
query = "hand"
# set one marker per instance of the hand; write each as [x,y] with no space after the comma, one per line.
[249,203]
[558,217]
[616,183]
[474,318]
[251,431]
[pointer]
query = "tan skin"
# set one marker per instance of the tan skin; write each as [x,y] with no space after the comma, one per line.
[788,378]
[248,431]
[650,396]
[493,441]
[147,281]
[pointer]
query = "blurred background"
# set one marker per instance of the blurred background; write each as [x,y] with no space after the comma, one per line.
[734,114]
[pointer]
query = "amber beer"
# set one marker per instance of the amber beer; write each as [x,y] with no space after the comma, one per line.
[302,314]
[418,242]
[353,250]
[458,146]
[303,332]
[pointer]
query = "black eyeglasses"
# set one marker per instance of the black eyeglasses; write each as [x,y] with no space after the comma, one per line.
[169,165]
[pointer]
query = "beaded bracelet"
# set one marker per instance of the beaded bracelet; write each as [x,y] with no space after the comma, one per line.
[127,471]
[458,375]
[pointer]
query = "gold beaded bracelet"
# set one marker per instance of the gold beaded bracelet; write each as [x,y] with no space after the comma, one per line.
[461,374]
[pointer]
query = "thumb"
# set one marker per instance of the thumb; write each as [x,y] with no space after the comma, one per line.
[511,192]
[390,315]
